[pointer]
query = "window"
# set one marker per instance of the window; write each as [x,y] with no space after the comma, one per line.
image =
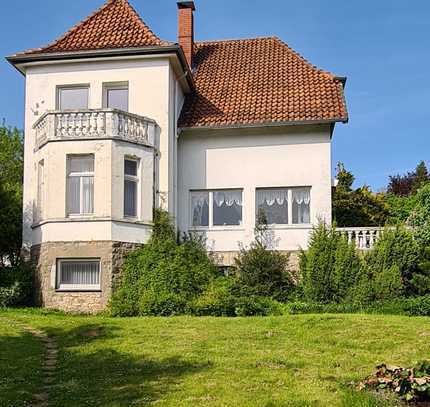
[301,198]
[115,96]
[216,208]
[200,208]
[80,184]
[131,181]
[283,206]
[78,274]
[273,203]
[40,190]
[72,98]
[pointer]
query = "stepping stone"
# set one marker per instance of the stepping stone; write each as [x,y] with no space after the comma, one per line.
[50,362]
[48,380]
[41,397]
[48,367]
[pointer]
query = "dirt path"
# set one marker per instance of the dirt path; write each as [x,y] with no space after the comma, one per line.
[49,365]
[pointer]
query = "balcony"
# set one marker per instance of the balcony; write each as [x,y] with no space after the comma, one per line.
[364,238]
[93,124]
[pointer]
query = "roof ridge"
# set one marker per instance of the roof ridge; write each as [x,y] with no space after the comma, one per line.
[265,37]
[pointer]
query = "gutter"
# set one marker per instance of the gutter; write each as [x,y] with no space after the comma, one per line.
[263,124]
[19,59]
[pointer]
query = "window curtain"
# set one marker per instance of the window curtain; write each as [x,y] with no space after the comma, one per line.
[302,199]
[227,198]
[199,207]
[270,196]
[73,195]
[130,195]
[88,194]
[80,273]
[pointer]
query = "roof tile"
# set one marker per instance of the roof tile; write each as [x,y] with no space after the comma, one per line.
[259,81]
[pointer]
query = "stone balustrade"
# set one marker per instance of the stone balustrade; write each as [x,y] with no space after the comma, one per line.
[363,237]
[94,124]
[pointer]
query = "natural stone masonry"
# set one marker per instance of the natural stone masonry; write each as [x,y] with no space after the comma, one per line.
[41,398]
[44,259]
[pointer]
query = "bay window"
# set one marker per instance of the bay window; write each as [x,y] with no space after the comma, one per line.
[80,184]
[78,274]
[216,208]
[283,206]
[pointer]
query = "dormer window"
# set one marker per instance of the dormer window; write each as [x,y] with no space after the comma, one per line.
[72,97]
[115,96]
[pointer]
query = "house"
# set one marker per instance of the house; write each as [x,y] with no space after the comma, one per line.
[119,121]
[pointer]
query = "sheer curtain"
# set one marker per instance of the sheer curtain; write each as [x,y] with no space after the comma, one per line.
[228,198]
[80,185]
[80,273]
[301,205]
[227,207]
[200,208]
[274,204]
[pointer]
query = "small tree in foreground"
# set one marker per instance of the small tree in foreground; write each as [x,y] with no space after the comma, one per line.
[261,270]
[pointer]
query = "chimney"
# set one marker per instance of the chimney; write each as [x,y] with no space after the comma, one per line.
[186,29]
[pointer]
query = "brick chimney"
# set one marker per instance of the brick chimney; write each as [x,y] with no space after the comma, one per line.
[186,29]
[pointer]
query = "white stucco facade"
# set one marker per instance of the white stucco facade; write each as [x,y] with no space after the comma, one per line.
[247,159]
[154,92]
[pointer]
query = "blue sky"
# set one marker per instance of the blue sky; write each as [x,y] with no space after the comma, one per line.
[381,46]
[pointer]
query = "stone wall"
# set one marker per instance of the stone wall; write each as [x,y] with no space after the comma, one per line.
[44,258]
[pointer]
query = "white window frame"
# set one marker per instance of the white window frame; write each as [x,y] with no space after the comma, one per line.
[211,225]
[290,206]
[135,179]
[115,86]
[41,193]
[77,287]
[67,87]
[80,175]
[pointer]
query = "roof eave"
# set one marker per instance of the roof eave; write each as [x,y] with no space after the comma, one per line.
[19,59]
[265,124]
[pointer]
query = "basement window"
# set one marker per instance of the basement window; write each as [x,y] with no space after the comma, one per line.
[78,274]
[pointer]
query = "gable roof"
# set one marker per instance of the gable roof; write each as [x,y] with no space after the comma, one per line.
[114,25]
[259,81]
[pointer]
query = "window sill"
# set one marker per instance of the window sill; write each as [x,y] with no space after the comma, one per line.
[78,290]
[217,229]
[290,227]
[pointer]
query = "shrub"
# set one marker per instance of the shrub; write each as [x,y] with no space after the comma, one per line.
[258,306]
[396,247]
[317,264]
[346,269]
[417,306]
[388,284]
[161,277]
[261,270]
[15,285]
[420,216]
[217,300]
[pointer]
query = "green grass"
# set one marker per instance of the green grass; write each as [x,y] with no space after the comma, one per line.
[297,360]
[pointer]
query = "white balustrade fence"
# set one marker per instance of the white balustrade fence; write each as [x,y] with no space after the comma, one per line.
[94,124]
[363,237]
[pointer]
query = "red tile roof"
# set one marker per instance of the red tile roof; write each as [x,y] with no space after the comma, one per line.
[259,81]
[115,25]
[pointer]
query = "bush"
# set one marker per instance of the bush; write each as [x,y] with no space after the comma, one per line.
[330,267]
[261,270]
[420,216]
[258,306]
[15,285]
[161,277]
[217,300]
[417,306]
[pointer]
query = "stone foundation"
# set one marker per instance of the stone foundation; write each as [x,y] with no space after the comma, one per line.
[44,258]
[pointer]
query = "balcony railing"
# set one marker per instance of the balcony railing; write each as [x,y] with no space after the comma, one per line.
[363,237]
[94,124]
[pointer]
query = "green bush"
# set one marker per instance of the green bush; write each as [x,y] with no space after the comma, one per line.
[417,306]
[261,270]
[258,306]
[161,277]
[217,300]
[420,216]
[387,283]
[15,285]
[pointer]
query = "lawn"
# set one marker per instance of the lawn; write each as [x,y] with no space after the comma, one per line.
[298,360]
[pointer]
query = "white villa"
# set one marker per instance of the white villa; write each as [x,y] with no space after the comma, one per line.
[118,121]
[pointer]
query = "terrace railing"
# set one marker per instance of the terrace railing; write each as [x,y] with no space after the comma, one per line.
[363,237]
[94,124]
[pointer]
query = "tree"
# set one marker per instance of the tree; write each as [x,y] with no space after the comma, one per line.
[11,176]
[360,207]
[408,184]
